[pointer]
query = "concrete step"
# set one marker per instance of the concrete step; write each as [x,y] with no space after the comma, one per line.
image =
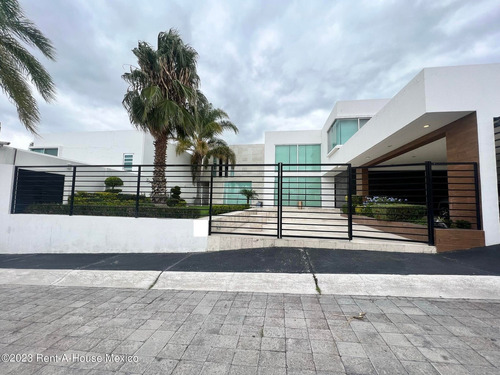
[219,242]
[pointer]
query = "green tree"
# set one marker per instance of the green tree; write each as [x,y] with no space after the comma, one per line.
[203,141]
[249,194]
[112,182]
[160,91]
[18,65]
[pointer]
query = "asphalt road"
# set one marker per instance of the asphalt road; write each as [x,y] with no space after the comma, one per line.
[480,261]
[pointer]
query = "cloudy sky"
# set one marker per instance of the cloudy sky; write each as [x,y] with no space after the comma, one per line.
[271,65]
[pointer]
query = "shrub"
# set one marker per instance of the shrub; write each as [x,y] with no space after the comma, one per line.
[108,198]
[220,209]
[367,210]
[398,212]
[357,200]
[461,224]
[175,198]
[172,202]
[148,210]
[112,182]
[421,221]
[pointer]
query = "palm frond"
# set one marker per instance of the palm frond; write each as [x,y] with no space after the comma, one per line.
[12,83]
[17,65]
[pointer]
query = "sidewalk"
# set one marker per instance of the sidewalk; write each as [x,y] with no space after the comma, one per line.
[77,330]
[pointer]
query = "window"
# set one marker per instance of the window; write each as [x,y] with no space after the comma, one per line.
[299,189]
[298,154]
[232,193]
[47,151]
[221,168]
[343,129]
[128,160]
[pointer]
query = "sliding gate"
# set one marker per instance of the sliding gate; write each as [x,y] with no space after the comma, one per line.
[404,202]
[281,200]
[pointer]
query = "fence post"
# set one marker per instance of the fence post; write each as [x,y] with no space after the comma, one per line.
[14,191]
[349,201]
[71,203]
[429,202]
[279,221]
[211,197]
[138,191]
[479,224]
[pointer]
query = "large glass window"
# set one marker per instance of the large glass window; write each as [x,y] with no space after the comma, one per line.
[298,154]
[343,129]
[306,190]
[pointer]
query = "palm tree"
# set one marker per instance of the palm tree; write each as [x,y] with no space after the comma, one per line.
[17,64]
[203,141]
[249,194]
[158,97]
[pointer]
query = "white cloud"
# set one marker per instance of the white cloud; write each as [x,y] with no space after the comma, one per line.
[269,65]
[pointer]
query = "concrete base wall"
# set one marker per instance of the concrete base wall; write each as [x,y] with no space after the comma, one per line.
[25,233]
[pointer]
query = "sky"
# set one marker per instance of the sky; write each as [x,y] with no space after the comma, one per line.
[271,65]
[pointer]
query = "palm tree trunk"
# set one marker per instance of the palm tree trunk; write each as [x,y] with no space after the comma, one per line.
[159,184]
[197,182]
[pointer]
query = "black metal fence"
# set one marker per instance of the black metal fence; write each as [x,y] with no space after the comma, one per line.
[403,202]
[173,191]
[408,201]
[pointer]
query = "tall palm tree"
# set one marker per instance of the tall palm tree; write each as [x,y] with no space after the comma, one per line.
[17,64]
[160,91]
[203,142]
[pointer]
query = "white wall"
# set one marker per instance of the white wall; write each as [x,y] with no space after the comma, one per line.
[108,147]
[6,179]
[473,87]
[101,147]
[26,233]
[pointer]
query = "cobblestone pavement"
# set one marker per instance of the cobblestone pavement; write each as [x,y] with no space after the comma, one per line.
[68,330]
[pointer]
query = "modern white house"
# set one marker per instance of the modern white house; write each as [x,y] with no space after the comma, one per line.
[444,115]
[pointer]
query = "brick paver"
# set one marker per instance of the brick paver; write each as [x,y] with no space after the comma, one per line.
[73,330]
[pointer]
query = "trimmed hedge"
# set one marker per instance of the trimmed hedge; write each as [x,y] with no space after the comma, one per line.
[117,210]
[220,209]
[397,212]
[389,211]
[112,204]
[108,198]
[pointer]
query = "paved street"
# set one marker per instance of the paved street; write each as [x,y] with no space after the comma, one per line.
[66,330]
[480,261]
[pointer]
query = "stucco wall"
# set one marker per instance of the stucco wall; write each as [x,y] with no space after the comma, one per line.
[102,147]
[26,233]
